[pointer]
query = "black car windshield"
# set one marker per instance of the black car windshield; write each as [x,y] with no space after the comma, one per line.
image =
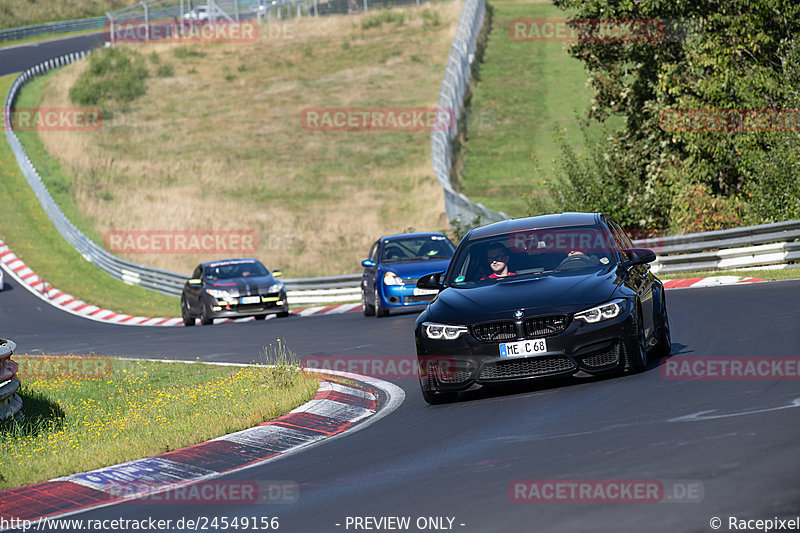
[234,269]
[417,248]
[530,253]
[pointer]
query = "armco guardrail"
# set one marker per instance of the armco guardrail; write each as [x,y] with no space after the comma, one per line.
[68,26]
[457,74]
[763,246]
[10,402]
[163,281]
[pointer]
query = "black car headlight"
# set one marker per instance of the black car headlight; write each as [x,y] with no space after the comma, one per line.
[433,330]
[275,287]
[601,312]
[221,295]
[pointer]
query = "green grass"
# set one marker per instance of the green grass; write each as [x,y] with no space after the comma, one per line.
[26,229]
[771,274]
[525,91]
[58,182]
[116,410]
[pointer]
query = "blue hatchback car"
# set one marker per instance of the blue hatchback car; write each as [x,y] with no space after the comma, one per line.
[394,265]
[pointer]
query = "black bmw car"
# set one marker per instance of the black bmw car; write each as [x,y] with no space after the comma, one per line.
[232,288]
[539,297]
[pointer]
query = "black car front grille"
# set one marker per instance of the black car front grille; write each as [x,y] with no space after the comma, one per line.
[602,358]
[527,367]
[542,326]
[495,331]
[454,376]
[447,372]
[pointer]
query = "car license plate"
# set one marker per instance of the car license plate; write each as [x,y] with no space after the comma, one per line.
[250,300]
[523,348]
[424,292]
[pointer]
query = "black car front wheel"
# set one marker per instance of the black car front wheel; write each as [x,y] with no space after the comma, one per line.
[636,354]
[205,316]
[188,319]
[664,345]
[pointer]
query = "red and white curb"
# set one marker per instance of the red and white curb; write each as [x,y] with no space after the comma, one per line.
[711,281]
[334,411]
[26,277]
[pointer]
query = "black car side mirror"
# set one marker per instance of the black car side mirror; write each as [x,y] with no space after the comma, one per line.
[431,281]
[194,282]
[639,256]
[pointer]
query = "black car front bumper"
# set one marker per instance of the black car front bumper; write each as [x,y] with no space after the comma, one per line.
[270,303]
[454,365]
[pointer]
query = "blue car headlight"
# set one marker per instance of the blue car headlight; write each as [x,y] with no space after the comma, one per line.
[601,312]
[390,278]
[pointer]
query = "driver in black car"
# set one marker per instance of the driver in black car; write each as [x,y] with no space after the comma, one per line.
[497,256]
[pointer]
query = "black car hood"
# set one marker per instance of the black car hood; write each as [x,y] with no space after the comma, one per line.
[562,292]
[251,285]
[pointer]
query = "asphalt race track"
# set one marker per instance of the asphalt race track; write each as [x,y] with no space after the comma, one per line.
[740,457]
[20,57]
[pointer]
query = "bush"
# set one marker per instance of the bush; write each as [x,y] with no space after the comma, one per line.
[430,18]
[695,209]
[612,178]
[384,16]
[114,74]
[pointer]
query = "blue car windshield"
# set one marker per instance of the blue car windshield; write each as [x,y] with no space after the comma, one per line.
[234,269]
[531,253]
[417,249]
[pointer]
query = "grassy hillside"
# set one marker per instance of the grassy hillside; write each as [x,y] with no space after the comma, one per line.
[217,142]
[31,235]
[530,89]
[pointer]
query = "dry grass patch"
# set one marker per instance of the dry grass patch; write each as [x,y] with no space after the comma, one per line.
[220,146]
